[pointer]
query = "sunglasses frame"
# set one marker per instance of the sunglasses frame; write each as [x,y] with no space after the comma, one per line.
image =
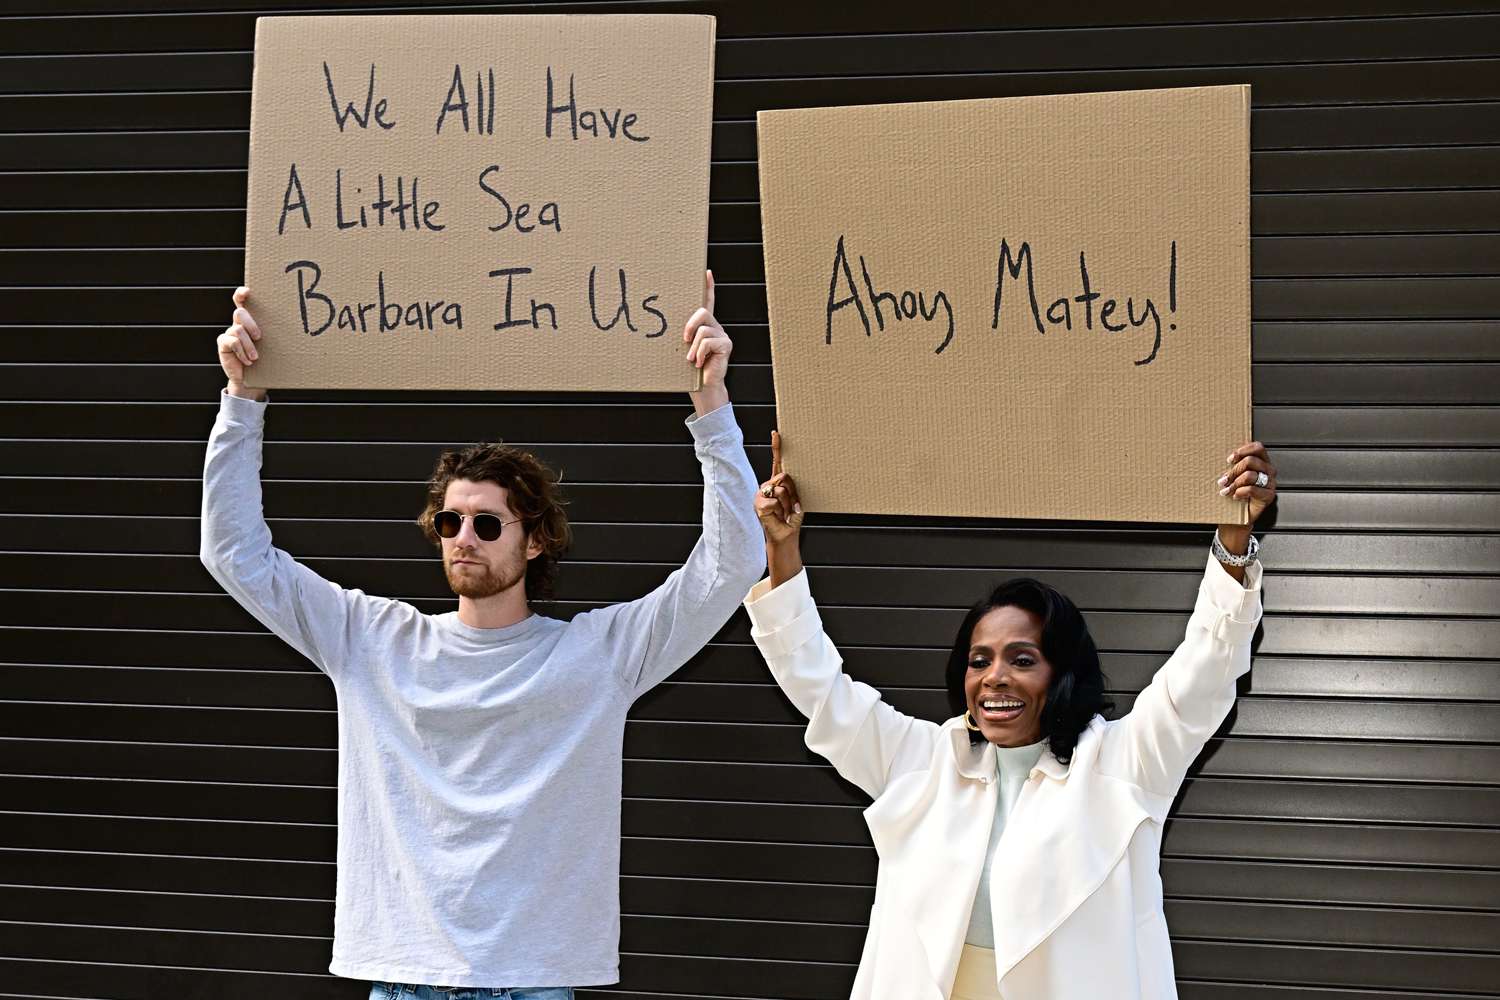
[478,533]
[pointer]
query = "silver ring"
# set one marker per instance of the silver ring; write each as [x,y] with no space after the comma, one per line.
[1262,480]
[769,492]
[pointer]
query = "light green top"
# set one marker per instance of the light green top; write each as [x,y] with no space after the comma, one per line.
[1013,765]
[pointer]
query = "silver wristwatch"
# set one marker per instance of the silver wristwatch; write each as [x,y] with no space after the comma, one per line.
[1230,559]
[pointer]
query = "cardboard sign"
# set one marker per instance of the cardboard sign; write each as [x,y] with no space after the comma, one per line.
[478,202]
[1031,307]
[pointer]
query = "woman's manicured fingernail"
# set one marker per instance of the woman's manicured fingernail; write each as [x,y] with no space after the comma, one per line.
[1224,491]
[1223,479]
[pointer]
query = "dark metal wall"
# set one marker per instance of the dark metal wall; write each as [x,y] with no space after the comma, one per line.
[167,769]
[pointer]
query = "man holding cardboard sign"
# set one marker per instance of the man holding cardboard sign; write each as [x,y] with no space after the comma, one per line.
[480,750]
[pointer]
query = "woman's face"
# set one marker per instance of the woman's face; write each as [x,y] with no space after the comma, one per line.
[1006,683]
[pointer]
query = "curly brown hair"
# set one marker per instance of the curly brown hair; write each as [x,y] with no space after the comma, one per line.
[532,491]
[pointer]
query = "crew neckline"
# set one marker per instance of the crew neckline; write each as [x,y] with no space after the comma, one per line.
[504,633]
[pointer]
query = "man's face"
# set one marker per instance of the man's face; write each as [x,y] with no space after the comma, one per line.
[477,568]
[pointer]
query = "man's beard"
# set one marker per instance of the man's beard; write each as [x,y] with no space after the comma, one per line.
[486,583]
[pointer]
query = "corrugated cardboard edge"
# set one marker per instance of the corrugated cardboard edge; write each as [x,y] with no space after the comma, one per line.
[760,175]
[694,380]
[264,25]
[260,27]
[1249,407]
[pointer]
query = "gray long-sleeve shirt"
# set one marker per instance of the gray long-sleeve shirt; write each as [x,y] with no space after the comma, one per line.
[479,769]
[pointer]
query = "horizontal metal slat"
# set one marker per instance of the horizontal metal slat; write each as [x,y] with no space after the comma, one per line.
[771,18]
[1314,214]
[1138,631]
[821,813]
[1089,48]
[667,755]
[1405,80]
[900,587]
[163,948]
[1320,403]
[1455,254]
[1299,509]
[381,546]
[112,169]
[1084,44]
[1339,967]
[1302,299]
[191,91]
[1418,342]
[666,718]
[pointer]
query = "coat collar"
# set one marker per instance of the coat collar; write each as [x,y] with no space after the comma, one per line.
[977,762]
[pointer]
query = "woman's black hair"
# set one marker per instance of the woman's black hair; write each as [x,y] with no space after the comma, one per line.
[1076,693]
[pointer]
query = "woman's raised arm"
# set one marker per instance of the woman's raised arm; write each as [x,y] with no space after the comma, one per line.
[865,739]
[1192,693]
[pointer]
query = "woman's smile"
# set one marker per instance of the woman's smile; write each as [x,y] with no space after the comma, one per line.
[1001,709]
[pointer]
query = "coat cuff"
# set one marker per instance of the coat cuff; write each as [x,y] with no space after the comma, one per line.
[1227,609]
[782,618]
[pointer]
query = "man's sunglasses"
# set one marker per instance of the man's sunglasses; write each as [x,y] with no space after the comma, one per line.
[448,523]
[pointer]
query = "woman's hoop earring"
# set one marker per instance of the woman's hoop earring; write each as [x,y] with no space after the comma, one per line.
[969,722]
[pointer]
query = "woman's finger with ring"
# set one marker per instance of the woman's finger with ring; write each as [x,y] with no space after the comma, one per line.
[1237,471]
[1237,483]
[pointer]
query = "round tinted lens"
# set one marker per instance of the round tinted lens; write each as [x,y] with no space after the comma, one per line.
[446,523]
[488,526]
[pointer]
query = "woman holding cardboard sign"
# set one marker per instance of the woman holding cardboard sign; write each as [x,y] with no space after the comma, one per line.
[1020,841]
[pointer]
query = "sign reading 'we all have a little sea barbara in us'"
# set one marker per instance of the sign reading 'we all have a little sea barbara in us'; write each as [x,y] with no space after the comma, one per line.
[478,201]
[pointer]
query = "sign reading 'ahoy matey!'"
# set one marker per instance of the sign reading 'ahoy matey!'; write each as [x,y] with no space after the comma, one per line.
[1031,307]
[478,202]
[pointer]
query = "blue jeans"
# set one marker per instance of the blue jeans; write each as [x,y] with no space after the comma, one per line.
[410,991]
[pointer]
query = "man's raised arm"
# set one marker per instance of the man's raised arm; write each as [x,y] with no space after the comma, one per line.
[309,612]
[653,636]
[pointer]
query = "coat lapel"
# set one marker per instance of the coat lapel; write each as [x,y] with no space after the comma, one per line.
[952,854]
[1070,827]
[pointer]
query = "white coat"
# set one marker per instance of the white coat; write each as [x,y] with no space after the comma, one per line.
[1077,893]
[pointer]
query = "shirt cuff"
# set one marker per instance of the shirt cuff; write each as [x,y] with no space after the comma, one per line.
[1229,610]
[782,618]
[239,410]
[718,422]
